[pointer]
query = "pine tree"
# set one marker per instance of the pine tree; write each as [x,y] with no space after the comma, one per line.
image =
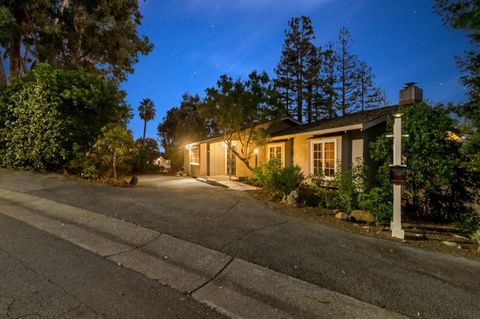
[328,82]
[346,72]
[313,94]
[369,97]
[293,66]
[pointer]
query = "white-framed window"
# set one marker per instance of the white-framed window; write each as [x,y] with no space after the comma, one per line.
[323,157]
[276,151]
[195,155]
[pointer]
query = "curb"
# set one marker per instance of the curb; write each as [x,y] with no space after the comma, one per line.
[232,286]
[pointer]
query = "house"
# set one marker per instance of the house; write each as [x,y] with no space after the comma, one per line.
[320,147]
[162,162]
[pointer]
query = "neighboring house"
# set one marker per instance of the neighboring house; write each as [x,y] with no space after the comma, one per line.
[162,162]
[320,147]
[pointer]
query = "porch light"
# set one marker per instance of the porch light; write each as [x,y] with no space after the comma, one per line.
[188,147]
[255,151]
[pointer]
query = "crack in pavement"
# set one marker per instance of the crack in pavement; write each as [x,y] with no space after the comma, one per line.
[134,247]
[26,266]
[213,278]
[229,209]
[251,232]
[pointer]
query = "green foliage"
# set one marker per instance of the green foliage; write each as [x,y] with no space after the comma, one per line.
[99,36]
[238,108]
[378,202]
[147,153]
[464,15]
[146,110]
[476,238]
[437,186]
[113,152]
[275,179]
[469,223]
[49,114]
[183,125]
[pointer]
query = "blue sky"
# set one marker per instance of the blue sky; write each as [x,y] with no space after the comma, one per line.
[198,40]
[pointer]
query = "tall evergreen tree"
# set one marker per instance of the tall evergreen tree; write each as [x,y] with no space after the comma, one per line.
[328,82]
[347,64]
[369,96]
[312,90]
[293,66]
[464,15]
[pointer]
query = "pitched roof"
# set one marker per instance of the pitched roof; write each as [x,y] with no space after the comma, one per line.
[361,117]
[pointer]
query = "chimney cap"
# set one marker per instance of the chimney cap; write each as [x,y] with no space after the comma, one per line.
[409,84]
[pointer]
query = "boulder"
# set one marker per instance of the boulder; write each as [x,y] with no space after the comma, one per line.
[134,181]
[292,198]
[362,216]
[341,216]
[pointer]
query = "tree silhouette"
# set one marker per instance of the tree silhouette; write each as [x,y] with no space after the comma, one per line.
[146,109]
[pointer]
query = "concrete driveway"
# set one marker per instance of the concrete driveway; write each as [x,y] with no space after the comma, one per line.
[409,281]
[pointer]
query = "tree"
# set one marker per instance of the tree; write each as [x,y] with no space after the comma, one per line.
[97,36]
[328,82]
[182,125]
[437,187]
[146,110]
[114,147]
[49,115]
[369,97]
[347,64]
[464,15]
[312,92]
[297,53]
[239,108]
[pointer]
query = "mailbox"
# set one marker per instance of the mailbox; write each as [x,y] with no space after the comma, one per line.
[398,174]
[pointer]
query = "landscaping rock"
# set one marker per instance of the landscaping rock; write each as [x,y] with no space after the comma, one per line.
[449,243]
[362,216]
[134,181]
[341,216]
[292,198]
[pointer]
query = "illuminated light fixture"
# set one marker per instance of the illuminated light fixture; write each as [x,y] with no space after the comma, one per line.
[255,151]
[188,147]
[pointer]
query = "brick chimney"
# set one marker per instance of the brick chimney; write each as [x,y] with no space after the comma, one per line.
[410,94]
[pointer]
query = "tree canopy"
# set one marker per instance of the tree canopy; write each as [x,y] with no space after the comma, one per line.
[97,36]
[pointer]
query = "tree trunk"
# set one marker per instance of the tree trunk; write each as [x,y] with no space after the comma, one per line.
[25,60]
[242,158]
[115,168]
[3,75]
[144,130]
[15,57]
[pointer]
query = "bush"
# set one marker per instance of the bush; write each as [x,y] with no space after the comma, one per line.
[378,203]
[47,113]
[275,179]
[437,186]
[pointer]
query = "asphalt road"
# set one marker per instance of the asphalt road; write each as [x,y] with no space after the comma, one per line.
[409,281]
[44,277]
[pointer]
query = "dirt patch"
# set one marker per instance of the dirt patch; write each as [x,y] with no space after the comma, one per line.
[436,237]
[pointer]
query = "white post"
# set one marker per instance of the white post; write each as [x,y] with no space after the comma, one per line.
[396,224]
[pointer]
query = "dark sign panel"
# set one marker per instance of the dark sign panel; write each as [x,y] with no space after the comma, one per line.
[398,174]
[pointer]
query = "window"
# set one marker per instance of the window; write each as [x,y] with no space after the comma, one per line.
[195,155]
[323,158]
[275,151]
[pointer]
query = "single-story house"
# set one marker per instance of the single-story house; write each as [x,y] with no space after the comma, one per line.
[320,147]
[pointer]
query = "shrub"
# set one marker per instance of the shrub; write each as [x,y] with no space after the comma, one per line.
[277,180]
[349,183]
[46,112]
[378,203]
[476,238]
[437,186]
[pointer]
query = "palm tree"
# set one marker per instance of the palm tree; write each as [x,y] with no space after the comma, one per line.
[146,109]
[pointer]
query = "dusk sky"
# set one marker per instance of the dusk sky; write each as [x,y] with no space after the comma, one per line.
[198,40]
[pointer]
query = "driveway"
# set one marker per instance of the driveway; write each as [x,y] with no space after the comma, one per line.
[409,281]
